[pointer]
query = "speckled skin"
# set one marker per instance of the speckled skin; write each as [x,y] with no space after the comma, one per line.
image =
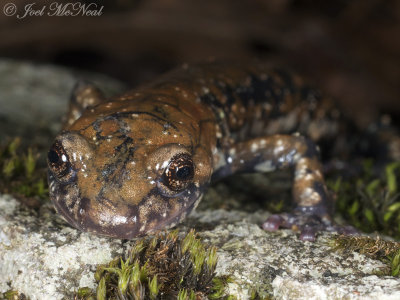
[140,162]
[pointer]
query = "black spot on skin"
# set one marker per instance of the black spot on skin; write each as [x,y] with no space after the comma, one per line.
[84,204]
[211,100]
[312,149]
[217,107]
[287,79]
[257,90]
[308,93]
[124,145]
[227,90]
[159,110]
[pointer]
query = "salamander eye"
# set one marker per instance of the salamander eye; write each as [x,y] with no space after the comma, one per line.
[179,172]
[58,162]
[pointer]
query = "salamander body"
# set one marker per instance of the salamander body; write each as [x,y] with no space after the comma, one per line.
[134,164]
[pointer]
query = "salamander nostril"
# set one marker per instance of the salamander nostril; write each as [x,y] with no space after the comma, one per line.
[53,157]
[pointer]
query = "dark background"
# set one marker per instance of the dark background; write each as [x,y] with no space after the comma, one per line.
[349,49]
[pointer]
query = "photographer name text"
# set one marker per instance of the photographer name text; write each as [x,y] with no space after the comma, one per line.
[54,9]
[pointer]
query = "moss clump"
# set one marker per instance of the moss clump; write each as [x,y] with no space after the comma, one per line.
[386,251]
[371,203]
[12,295]
[164,267]
[19,173]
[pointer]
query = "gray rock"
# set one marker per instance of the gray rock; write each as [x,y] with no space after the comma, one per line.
[44,258]
[33,98]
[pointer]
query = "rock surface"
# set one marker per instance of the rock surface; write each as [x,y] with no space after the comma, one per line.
[33,98]
[44,258]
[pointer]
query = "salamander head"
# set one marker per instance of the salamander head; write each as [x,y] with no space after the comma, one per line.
[126,181]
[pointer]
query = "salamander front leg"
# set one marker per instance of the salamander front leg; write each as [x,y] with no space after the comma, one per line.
[314,208]
[84,95]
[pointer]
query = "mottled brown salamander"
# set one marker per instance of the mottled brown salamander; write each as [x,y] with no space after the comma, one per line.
[140,162]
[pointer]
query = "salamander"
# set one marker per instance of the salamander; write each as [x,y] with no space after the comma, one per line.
[133,164]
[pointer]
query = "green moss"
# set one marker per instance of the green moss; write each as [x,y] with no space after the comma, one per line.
[386,251]
[371,202]
[219,285]
[12,295]
[19,172]
[163,267]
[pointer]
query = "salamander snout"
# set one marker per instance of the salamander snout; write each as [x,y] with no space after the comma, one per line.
[123,189]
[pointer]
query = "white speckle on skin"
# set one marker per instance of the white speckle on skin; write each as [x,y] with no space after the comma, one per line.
[229,159]
[254,147]
[309,177]
[307,193]
[296,157]
[278,150]
[134,219]
[206,90]
[74,155]
[133,162]
[63,158]
[265,166]
[175,136]
[116,220]
[165,164]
